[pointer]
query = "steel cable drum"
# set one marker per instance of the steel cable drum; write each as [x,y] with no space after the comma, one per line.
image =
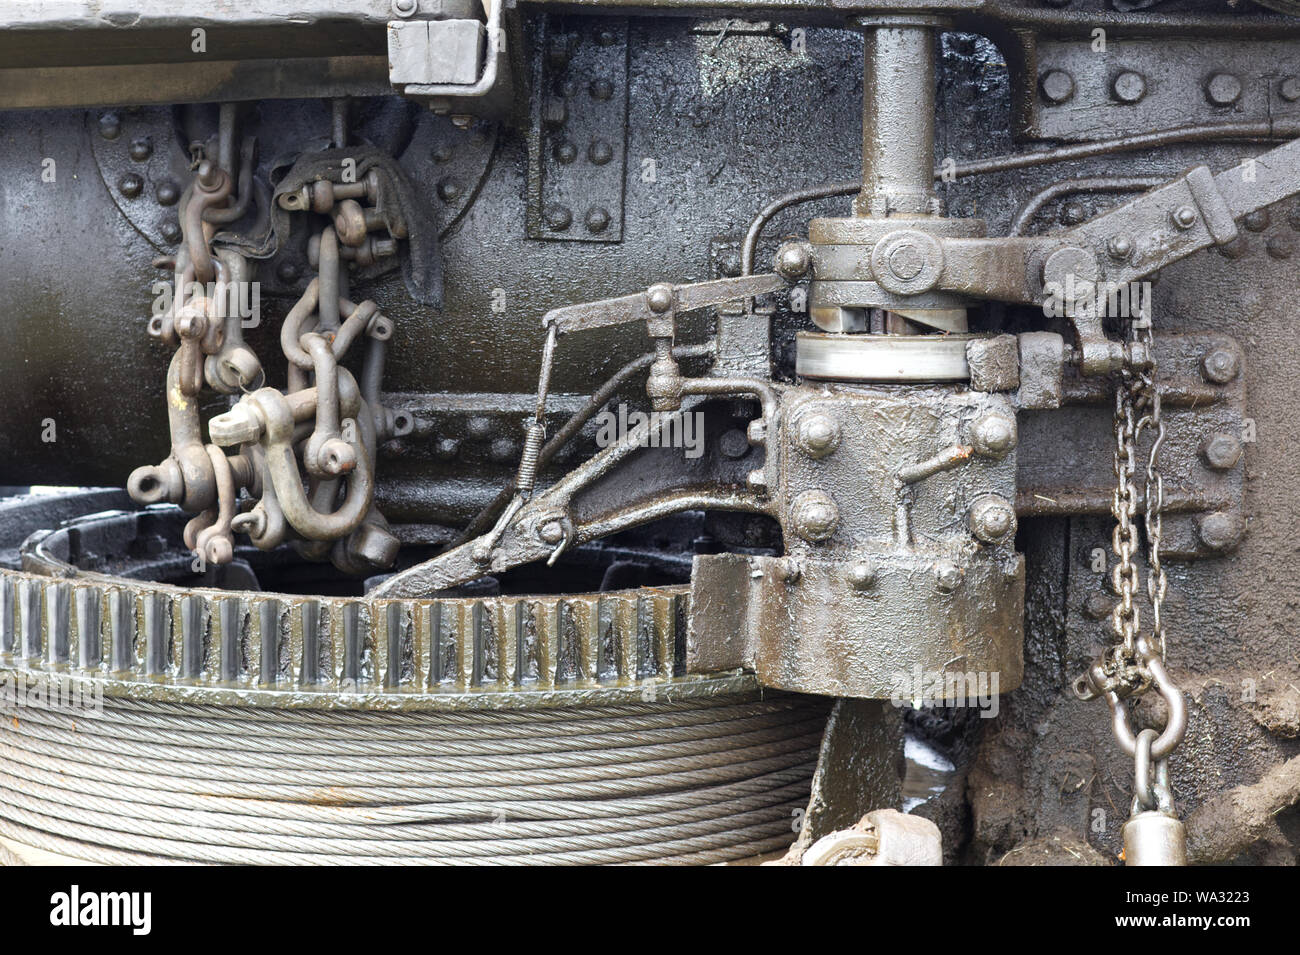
[144,723]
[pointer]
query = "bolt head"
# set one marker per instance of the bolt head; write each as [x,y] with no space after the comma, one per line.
[994,435]
[1223,89]
[992,518]
[597,219]
[793,260]
[1222,531]
[819,435]
[130,185]
[1120,247]
[1129,87]
[1220,366]
[659,298]
[558,217]
[1221,451]
[947,576]
[815,515]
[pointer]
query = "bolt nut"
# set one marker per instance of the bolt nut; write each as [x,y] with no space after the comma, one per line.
[1220,366]
[1120,247]
[992,518]
[1185,217]
[861,576]
[1223,89]
[1222,531]
[947,576]
[1221,451]
[994,435]
[815,515]
[818,435]
[1129,87]
[1057,86]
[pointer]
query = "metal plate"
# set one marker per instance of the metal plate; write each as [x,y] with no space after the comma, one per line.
[882,357]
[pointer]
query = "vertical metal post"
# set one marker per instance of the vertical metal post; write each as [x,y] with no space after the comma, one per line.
[898,117]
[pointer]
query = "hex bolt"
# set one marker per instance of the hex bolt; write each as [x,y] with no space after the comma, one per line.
[600,152]
[992,518]
[1223,89]
[815,515]
[1120,247]
[1289,88]
[565,152]
[733,443]
[558,217]
[1185,216]
[1220,366]
[793,260]
[1221,451]
[551,532]
[1222,531]
[818,435]
[947,576]
[1057,86]
[597,219]
[861,576]
[601,89]
[1280,246]
[168,193]
[1098,607]
[130,185]
[1129,87]
[994,435]
[110,125]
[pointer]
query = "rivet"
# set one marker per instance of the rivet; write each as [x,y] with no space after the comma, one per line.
[597,219]
[815,515]
[565,152]
[110,125]
[947,576]
[1289,89]
[1184,217]
[1256,221]
[130,185]
[1129,87]
[168,193]
[1280,246]
[141,149]
[600,152]
[558,217]
[448,190]
[1057,86]
[171,231]
[861,576]
[1223,89]
[601,89]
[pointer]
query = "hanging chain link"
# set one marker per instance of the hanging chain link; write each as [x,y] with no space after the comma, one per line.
[1136,660]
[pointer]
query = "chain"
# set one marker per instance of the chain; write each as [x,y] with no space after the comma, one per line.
[1136,660]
